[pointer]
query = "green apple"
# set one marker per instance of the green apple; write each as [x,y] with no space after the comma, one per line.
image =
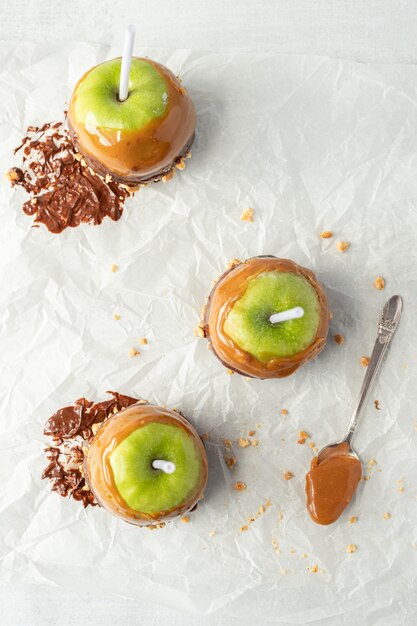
[96,102]
[248,325]
[148,490]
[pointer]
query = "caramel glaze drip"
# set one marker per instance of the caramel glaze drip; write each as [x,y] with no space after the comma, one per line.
[330,485]
[230,288]
[145,155]
[71,429]
[99,472]
[65,193]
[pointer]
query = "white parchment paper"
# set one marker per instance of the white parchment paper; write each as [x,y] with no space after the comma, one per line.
[311,144]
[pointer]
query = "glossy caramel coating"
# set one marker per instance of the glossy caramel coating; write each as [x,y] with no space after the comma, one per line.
[99,473]
[230,288]
[145,155]
[331,484]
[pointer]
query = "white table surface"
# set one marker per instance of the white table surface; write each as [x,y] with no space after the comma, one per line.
[364,30]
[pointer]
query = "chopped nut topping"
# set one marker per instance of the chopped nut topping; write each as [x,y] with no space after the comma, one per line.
[303,435]
[351,548]
[301,441]
[376,404]
[379,283]
[247,215]
[116,317]
[94,428]
[114,268]
[108,178]
[314,569]
[14,174]
[284,411]
[227,443]
[239,486]
[353,519]
[372,462]
[365,361]
[180,165]
[342,246]
[233,263]
[387,516]
[261,510]
[326,234]
[212,533]
[288,475]
[199,331]
[143,341]
[339,339]
[230,372]
[243,443]
[133,352]
[168,176]
[255,442]
[185,519]
[251,433]
[204,436]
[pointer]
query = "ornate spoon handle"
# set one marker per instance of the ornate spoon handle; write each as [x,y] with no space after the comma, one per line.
[386,328]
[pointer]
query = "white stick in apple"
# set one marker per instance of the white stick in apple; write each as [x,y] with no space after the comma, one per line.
[126,62]
[289,314]
[165,466]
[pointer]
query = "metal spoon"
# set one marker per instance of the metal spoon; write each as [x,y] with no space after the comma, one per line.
[388,323]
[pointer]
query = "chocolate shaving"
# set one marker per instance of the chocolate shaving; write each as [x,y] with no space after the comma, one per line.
[71,429]
[64,191]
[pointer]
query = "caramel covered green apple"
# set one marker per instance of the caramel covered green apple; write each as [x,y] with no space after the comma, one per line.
[146,465]
[140,139]
[238,323]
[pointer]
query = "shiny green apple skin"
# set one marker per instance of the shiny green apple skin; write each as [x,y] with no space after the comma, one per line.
[145,489]
[96,102]
[248,324]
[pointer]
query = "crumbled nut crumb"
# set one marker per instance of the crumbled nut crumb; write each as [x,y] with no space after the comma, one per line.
[342,246]
[85,450]
[212,533]
[233,263]
[261,509]
[168,176]
[83,162]
[247,215]
[372,462]
[326,234]
[387,516]
[314,569]
[114,268]
[255,442]
[230,461]
[185,519]
[365,361]
[243,528]
[251,433]
[108,178]
[239,486]
[311,444]
[288,475]
[351,548]
[243,443]
[133,352]
[86,488]
[353,519]
[180,165]
[301,441]
[204,436]
[303,435]
[284,411]
[379,283]
[400,484]
[376,404]
[339,339]
[199,331]
[143,341]
[275,545]
[116,317]
[230,372]
[227,443]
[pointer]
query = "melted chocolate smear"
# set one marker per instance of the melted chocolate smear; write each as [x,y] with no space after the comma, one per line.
[65,191]
[70,429]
